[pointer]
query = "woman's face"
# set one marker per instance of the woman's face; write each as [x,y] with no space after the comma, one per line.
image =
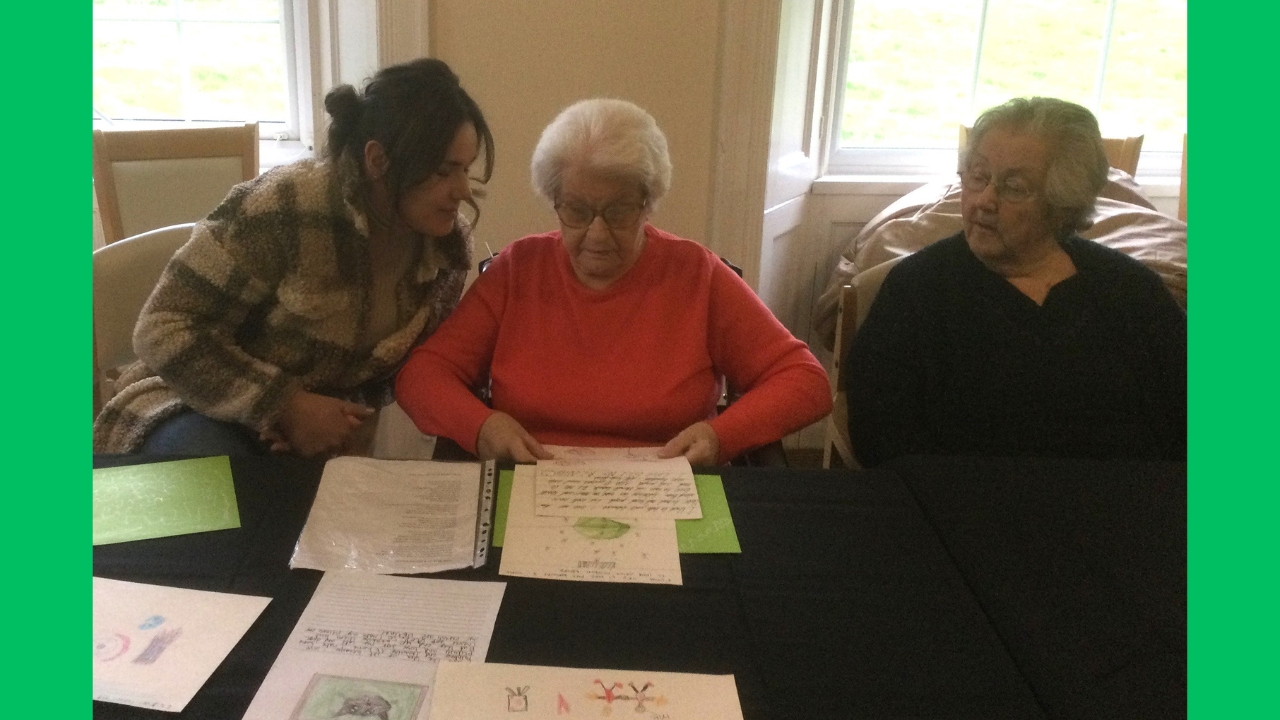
[1004,230]
[602,251]
[431,206]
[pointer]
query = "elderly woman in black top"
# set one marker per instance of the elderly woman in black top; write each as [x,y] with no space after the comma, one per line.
[1016,336]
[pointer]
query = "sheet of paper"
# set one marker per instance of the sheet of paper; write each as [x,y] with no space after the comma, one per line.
[155,646]
[574,486]
[368,646]
[598,454]
[391,516]
[138,502]
[714,533]
[597,549]
[531,692]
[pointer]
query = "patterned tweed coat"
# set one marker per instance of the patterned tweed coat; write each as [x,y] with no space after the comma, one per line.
[270,295]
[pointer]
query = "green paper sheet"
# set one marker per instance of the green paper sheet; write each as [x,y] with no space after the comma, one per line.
[714,533]
[139,502]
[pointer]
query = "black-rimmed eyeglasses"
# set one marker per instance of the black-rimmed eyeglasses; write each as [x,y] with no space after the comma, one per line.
[619,216]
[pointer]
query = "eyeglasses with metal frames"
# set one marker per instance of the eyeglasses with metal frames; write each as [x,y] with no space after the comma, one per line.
[1010,189]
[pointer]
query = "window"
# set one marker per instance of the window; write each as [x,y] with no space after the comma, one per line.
[916,69]
[195,61]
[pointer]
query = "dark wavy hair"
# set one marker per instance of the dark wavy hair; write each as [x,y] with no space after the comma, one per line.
[414,111]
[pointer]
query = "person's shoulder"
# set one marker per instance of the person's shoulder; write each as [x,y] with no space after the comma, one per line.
[679,255]
[935,259]
[1103,261]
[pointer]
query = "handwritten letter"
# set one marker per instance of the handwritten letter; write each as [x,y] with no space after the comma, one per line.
[629,489]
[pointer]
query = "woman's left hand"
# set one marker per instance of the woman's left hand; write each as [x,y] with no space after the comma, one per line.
[698,443]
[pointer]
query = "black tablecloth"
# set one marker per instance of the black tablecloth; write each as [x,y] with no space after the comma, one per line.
[873,594]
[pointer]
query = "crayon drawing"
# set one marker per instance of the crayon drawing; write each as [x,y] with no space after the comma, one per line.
[159,643]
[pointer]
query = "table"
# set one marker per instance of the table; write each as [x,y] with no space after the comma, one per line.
[920,589]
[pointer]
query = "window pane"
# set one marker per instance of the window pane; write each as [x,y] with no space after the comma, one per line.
[249,10]
[1145,89]
[909,72]
[911,65]
[137,70]
[134,9]
[1046,47]
[237,71]
[187,64]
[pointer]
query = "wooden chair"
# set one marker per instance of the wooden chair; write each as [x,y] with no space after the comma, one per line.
[855,303]
[1122,153]
[1182,190]
[148,179]
[124,274]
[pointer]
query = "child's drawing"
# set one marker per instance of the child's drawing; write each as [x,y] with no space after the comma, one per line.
[152,622]
[599,528]
[518,699]
[109,647]
[330,697]
[615,692]
[154,649]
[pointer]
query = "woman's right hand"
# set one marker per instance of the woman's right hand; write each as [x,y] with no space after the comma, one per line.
[502,438]
[318,424]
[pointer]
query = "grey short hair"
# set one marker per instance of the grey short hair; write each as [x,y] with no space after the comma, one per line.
[613,136]
[1077,162]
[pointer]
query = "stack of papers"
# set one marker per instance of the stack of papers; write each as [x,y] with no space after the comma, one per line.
[368,646]
[599,515]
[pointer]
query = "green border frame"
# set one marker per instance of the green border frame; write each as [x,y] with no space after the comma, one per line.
[47,47]
[1232,489]
[1232,492]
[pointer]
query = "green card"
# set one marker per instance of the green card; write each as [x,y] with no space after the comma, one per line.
[137,502]
[714,533]
[500,512]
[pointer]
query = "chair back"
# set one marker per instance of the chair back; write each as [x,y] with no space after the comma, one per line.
[124,274]
[1122,153]
[855,304]
[1182,189]
[148,179]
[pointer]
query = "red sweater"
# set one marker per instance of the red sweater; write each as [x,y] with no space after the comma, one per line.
[630,365]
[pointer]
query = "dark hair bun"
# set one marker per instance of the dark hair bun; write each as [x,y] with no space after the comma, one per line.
[345,107]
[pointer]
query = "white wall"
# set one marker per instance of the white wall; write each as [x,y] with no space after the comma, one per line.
[525,61]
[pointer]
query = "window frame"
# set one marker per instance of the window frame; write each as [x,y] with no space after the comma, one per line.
[293,131]
[922,162]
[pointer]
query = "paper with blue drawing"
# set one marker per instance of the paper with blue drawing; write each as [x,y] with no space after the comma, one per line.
[155,646]
[369,645]
[530,692]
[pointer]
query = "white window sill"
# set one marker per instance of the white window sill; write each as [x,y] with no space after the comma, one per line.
[274,153]
[1157,186]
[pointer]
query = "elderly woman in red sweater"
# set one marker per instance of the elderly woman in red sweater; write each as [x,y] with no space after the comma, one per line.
[610,332]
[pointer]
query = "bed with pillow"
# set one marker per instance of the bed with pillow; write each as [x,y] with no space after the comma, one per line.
[1124,219]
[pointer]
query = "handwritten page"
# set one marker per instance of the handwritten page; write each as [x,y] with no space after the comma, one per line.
[391,516]
[573,487]
[368,646]
[589,548]
[155,646]
[138,502]
[492,690]
[599,454]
